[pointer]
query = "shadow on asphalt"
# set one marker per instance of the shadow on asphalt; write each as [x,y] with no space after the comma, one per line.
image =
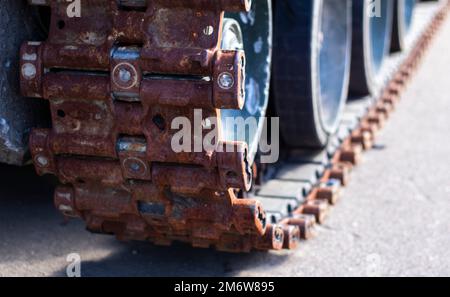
[142,259]
[30,222]
[22,182]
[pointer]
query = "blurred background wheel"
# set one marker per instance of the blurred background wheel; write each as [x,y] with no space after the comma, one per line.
[372,34]
[403,17]
[312,52]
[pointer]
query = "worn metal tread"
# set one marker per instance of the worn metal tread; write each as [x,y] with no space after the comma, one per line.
[306,183]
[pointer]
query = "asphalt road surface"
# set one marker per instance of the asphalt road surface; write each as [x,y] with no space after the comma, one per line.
[394,219]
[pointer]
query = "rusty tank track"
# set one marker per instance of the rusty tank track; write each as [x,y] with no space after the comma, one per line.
[111,96]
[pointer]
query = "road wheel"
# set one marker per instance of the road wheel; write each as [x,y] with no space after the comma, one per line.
[372,34]
[251,32]
[403,17]
[312,52]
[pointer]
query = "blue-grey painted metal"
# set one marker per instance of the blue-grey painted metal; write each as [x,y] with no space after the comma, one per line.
[403,17]
[251,32]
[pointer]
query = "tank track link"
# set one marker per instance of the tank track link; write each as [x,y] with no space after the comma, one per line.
[112,79]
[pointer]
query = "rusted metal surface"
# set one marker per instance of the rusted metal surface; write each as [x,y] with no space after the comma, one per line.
[115,80]
[17,114]
[117,77]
